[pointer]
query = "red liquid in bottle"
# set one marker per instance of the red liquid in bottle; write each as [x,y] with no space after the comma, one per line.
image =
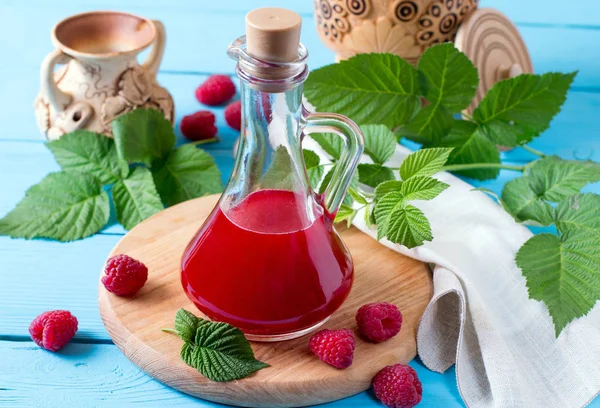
[265,268]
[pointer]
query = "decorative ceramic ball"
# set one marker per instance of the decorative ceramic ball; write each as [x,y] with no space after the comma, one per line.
[402,27]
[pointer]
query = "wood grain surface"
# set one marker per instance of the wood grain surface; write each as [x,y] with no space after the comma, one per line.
[296,377]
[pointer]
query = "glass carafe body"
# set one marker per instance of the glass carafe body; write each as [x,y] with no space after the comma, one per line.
[268,259]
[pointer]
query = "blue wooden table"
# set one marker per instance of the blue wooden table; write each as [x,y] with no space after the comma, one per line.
[42,275]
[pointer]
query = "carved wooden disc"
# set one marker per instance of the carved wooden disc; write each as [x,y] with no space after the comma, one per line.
[295,377]
[496,48]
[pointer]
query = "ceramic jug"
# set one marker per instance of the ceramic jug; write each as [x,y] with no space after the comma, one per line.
[100,78]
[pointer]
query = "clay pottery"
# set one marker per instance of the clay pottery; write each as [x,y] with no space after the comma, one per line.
[402,27]
[100,77]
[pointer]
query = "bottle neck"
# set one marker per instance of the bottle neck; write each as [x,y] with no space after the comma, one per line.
[272,116]
[269,155]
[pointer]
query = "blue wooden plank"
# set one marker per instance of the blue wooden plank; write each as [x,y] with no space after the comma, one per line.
[41,275]
[22,164]
[553,12]
[587,12]
[197,42]
[85,375]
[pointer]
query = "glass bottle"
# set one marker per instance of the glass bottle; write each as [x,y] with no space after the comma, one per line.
[268,259]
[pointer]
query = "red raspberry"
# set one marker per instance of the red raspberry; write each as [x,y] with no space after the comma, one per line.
[379,321]
[124,275]
[334,347]
[398,386]
[53,330]
[217,89]
[199,126]
[233,115]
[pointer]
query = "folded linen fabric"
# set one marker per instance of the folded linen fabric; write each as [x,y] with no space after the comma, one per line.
[480,317]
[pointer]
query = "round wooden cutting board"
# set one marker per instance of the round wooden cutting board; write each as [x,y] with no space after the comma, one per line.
[295,377]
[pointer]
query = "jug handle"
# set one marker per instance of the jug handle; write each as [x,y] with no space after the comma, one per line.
[346,166]
[58,99]
[152,64]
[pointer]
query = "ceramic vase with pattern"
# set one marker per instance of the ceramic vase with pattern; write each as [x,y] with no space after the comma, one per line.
[402,27]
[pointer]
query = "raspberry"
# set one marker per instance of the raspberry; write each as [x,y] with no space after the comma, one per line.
[52,330]
[124,275]
[334,347]
[199,125]
[379,321]
[398,386]
[217,89]
[233,115]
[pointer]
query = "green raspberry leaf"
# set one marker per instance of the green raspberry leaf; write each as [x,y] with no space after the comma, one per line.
[554,179]
[91,153]
[143,135]
[279,175]
[449,81]
[327,179]
[136,198]
[563,272]
[219,351]
[387,187]
[523,203]
[401,223]
[314,170]
[186,325]
[408,226]
[348,200]
[429,125]
[332,144]
[471,145]
[524,105]
[63,206]
[448,77]
[311,159]
[369,88]
[368,216]
[345,213]
[383,209]
[315,174]
[424,162]
[380,142]
[499,133]
[422,188]
[356,196]
[187,173]
[579,212]
[374,174]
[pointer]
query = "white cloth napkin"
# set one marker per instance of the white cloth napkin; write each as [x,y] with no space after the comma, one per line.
[480,316]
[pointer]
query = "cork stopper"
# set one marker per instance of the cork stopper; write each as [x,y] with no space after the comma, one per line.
[273,34]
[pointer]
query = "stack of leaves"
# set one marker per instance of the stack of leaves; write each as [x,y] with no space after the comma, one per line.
[387,203]
[386,95]
[384,89]
[562,270]
[219,351]
[140,167]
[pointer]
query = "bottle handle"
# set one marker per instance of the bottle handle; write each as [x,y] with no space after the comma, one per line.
[153,61]
[346,166]
[58,99]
